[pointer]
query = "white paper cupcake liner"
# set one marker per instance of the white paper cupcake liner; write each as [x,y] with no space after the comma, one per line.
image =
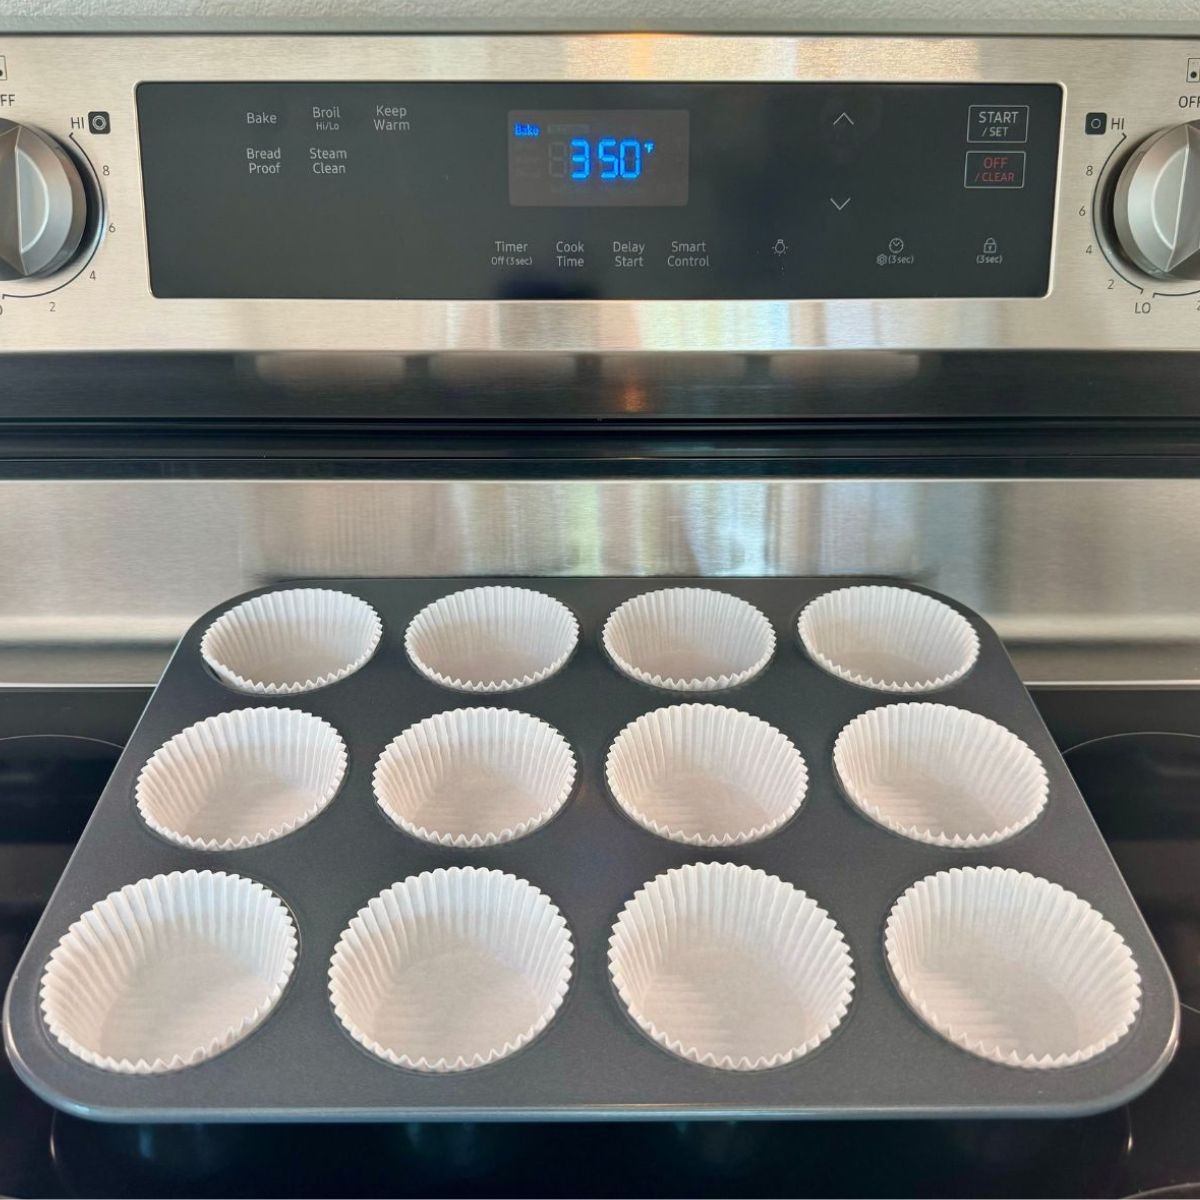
[491,639]
[939,774]
[168,971]
[241,779]
[1011,967]
[475,777]
[689,639]
[888,638]
[451,970]
[706,775]
[296,640]
[729,967]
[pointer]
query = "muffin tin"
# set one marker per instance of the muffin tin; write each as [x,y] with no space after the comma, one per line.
[866,1051]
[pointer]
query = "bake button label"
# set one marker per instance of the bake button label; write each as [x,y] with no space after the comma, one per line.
[994,169]
[998,123]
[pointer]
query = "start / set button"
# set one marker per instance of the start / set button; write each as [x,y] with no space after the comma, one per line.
[994,169]
[998,123]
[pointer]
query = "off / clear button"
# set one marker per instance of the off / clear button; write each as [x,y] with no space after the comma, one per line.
[994,169]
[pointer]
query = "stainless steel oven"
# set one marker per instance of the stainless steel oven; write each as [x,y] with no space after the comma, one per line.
[582,293]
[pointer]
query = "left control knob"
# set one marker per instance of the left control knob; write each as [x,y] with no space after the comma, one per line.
[43,203]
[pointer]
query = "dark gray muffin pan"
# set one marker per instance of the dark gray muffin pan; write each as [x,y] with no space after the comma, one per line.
[592,1061]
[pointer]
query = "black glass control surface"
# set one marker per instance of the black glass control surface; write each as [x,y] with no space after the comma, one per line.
[510,191]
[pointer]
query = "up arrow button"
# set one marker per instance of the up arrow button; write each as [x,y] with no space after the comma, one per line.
[843,116]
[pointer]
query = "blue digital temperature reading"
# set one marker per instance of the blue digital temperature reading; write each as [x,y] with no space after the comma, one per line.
[621,156]
[614,159]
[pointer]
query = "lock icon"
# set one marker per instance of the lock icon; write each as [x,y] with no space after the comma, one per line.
[989,246]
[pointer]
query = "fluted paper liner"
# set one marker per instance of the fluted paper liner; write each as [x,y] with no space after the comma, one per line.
[491,639]
[242,778]
[888,638]
[451,969]
[1012,967]
[939,774]
[475,777]
[291,641]
[168,971]
[689,639]
[729,967]
[706,775]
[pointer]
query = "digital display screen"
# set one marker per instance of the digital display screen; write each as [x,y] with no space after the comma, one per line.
[603,157]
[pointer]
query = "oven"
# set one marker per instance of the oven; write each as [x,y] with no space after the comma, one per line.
[291,302]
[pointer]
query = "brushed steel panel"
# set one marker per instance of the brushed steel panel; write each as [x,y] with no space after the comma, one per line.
[1140,18]
[1140,81]
[1088,580]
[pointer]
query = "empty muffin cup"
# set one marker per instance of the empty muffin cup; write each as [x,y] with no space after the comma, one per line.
[729,967]
[706,775]
[939,774]
[168,971]
[475,777]
[689,639]
[491,639]
[296,640]
[241,779]
[888,638]
[1011,967]
[451,970]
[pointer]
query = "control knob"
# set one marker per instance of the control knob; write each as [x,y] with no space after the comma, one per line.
[1156,206]
[43,203]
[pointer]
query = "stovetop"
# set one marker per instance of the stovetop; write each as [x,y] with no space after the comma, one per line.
[1144,790]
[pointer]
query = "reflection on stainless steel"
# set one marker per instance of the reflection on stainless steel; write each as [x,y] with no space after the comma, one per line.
[1089,304]
[837,368]
[362,373]
[677,368]
[1087,580]
[503,368]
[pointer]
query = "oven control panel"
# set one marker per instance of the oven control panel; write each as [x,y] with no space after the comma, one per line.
[598,194]
[604,191]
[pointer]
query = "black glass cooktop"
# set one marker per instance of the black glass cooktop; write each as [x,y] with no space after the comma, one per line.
[1145,792]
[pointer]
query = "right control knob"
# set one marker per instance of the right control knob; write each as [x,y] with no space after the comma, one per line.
[1156,206]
